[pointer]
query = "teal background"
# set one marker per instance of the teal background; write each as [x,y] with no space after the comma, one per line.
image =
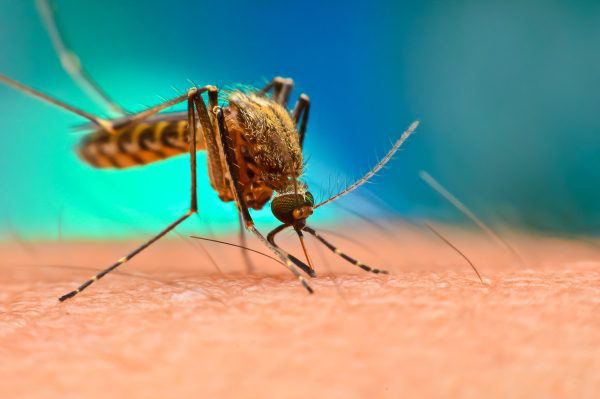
[508,94]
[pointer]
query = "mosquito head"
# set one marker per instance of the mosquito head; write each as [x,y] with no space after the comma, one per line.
[293,209]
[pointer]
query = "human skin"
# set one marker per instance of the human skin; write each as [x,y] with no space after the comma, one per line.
[168,324]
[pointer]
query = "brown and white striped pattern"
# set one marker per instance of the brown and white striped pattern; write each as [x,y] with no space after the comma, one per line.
[136,145]
[335,250]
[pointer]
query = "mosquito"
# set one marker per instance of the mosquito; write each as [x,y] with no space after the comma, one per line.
[253,147]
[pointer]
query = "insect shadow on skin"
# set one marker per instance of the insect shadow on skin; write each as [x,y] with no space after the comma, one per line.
[253,145]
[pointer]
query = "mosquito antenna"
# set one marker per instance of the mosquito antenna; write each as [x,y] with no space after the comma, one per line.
[334,249]
[102,123]
[237,246]
[434,184]
[379,226]
[377,167]
[441,237]
[382,229]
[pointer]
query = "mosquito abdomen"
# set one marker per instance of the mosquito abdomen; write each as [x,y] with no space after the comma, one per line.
[136,145]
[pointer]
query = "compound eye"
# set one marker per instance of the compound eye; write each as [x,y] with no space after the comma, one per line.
[309,199]
[283,206]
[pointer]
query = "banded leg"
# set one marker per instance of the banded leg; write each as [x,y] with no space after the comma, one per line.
[271,238]
[287,260]
[71,63]
[242,235]
[343,255]
[282,88]
[300,114]
[192,93]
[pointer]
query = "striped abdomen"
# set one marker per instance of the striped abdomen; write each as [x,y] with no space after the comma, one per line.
[140,144]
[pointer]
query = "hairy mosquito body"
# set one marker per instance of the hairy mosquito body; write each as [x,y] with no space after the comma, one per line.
[253,147]
[262,132]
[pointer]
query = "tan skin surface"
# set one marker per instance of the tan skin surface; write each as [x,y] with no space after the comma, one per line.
[168,325]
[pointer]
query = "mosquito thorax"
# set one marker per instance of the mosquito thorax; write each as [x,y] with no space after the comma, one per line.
[292,208]
[268,132]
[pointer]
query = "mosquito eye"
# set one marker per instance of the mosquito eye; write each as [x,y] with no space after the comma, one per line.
[283,206]
[309,199]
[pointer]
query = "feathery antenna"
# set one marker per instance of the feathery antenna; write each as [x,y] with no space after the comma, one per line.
[377,167]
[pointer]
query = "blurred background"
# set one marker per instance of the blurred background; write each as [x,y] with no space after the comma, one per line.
[507,92]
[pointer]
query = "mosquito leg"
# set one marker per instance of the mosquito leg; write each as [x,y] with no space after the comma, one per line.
[301,265]
[213,154]
[104,124]
[147,113]
[124,259]
[242,235]
[217,177]
[243,208]
[300,115]
[192,93]
[71,63]
[343,255]
[282,88]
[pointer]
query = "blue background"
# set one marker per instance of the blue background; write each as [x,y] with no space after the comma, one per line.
[507,92]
